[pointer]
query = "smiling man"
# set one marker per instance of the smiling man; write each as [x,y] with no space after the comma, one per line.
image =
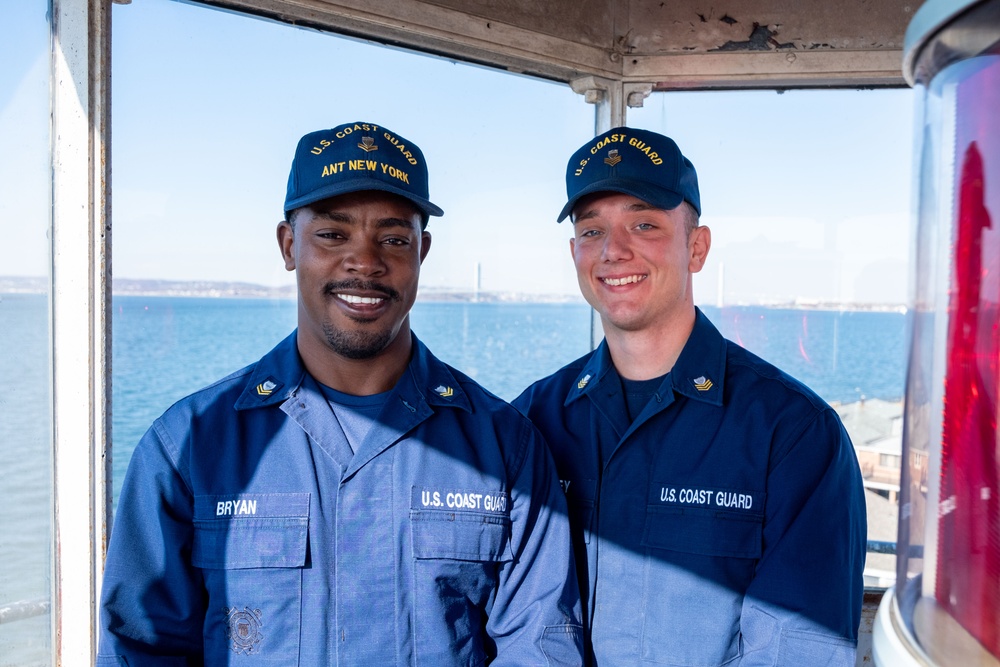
[349,499]
[716,504]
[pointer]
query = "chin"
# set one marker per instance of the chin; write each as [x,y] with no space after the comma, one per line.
[359,344]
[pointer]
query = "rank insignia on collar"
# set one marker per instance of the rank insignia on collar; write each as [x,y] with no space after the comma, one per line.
[583,383]
[267,387]
[243,629]
[446,392]
[613,157]
[368,144]
[702,383]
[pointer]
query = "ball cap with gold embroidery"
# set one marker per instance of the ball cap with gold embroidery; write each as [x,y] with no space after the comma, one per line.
[640,163]
[354,157]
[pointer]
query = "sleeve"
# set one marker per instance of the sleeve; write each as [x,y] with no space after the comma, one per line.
[804,604]
[535,616]
[152,604]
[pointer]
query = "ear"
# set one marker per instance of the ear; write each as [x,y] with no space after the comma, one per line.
[572,248]
[425,245]
[286,243]
[698,247]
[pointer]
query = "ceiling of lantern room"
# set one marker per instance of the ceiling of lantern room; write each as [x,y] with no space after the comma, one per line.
[671,44]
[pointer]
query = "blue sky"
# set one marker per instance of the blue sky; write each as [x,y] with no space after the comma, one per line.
[807,193]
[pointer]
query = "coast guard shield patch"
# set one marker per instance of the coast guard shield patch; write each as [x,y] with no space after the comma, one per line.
[243,629]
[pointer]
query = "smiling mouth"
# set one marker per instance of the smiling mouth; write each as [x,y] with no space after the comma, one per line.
[341,290]
[616,282]
[360,300]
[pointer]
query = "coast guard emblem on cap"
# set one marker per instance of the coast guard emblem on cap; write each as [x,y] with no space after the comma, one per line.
[368,144]
[266,387]
[243,629]
[702,383]
[583,383]
[613,157]
[442,390]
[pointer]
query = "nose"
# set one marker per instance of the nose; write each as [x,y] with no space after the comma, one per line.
[365,257]
[617,245]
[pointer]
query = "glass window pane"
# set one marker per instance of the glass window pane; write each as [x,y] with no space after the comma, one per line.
[208,107]
[807,194]
[949,579]
[25,433]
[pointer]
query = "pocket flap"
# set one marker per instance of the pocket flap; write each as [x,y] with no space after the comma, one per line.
[703,531]
[251,531]
[460,536]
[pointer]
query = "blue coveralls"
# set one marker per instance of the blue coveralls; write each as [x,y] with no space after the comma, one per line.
[247,532]
[725,525]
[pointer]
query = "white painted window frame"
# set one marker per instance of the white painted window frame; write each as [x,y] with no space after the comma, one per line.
[79,321]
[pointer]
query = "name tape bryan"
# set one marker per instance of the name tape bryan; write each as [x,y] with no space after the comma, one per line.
[251,505]
[237,507]
[493,502]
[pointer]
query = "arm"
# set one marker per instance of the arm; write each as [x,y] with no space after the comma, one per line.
[152,605]
[535,617]
[804,604]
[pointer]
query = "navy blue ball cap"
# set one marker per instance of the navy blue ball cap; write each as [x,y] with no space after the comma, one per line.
[354,157]
[640,163]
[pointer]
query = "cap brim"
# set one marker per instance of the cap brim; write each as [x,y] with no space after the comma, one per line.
[360,185]
[651,194]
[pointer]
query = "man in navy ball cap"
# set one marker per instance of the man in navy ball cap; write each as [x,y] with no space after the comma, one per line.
[349,499]
[716,504]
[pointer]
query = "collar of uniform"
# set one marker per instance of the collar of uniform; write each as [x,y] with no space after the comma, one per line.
[593,372]
[434,380]
[698,373]
[275,377]
[279,374]
[701,367]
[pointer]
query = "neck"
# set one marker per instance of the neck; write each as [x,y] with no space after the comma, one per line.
[358,377]
[648,353]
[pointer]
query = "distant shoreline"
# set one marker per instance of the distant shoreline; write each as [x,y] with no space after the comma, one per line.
[240,290]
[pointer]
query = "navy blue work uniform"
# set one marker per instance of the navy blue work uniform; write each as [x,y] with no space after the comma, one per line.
[249,533]
[724,525]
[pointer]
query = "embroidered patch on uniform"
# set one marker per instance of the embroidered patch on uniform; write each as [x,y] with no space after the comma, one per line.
[448,499]
[442,390]
[243,629]
[613,157]
[368,144]
[709,498]
[267,387]
[583,383]
[702,383]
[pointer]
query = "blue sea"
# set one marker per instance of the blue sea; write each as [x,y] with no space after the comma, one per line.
[166,347]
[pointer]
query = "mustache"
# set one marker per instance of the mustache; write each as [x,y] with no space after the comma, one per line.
[362,285]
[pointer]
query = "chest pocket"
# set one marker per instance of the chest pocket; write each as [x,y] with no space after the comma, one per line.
[457,558]
[698,564]
[251,549]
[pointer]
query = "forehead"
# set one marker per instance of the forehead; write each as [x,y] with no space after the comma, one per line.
[366,203]
[599,204]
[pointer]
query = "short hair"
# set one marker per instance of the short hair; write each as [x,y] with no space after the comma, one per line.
[691,219]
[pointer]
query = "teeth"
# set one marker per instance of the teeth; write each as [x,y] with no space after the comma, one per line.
[366,300]
[622,281]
